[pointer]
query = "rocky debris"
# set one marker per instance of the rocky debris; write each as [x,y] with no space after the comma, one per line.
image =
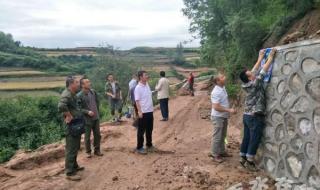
[115,178]
[198,176]
[293,37]
[205,110]
[42,155]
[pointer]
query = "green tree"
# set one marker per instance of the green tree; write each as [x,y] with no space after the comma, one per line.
[178,56]
[233,31]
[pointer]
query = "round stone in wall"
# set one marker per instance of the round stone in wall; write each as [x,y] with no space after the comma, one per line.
[313,88]
[290,123]
[314,177]
[316,120]
[295,82]
[281,86]
[279,132]
[286,99]
[296,143]
[276,116]
[270,164]
[295,164]
[310,150]
[305,126]
[291,56]
[286,69]
[301,105]
[310,65]
[282,149]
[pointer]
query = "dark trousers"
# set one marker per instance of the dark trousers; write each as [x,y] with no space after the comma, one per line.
[164,107]
[253,129]
[115,105]
[94,126]
[71,153]
[145,127]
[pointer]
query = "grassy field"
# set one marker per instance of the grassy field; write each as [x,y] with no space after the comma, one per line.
[31,85]
[32,93]
[33,79]
[20,73]
[23,79]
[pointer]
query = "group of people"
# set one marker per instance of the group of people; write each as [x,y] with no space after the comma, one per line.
[253,117]
[79,100]
[79,104]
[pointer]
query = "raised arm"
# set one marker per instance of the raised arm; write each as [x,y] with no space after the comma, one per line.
[257,65]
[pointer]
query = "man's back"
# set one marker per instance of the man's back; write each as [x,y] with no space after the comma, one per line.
[163,88]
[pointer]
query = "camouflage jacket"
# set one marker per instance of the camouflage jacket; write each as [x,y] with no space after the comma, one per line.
[69,103]
[255,101]
[108,89]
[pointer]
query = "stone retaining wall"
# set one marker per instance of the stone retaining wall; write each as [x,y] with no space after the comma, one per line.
[291,143]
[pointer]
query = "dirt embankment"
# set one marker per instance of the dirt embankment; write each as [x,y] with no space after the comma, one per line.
[182,162]
[305,28]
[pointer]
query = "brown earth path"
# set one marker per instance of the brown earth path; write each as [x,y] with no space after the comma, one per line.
[181,163]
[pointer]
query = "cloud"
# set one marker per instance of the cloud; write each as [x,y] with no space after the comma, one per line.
[67,23]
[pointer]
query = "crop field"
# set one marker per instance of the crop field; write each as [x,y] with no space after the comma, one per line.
[31,85]
[20,73]
[32,93]
[32,79]
[23,81]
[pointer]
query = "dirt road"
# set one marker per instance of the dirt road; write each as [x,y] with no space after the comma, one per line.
[181,163]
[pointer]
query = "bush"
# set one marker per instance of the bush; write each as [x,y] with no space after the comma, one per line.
[27,123]
[233,90]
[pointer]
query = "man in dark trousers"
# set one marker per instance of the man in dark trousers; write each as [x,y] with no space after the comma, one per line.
[114,94]
[89,105]
[254,110]
[191,84]
[68,105]
[163,88]
[143,98]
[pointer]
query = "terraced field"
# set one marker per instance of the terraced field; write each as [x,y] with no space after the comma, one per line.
[21,81]
[20,73]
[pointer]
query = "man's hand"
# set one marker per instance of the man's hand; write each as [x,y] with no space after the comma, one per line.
[232,111]
[262,52]
[68,117]
[91,113]
[273,51]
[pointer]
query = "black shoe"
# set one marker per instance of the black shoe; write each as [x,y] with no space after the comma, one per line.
[98,153]
[79,168]
[243,161]
[251,166]
[73,177]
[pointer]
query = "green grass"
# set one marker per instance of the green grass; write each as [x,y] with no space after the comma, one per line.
[33,79]
[20,73]
[31,93]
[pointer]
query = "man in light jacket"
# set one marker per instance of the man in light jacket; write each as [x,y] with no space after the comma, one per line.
[163,95]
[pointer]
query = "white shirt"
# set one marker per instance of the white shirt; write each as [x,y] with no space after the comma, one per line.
[143,94]
[113,84]
[132,83]
[163,88]
[219,95]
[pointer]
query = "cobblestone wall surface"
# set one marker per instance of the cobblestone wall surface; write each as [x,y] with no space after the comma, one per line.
[291,143]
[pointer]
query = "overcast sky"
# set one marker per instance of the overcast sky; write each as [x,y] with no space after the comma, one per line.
[73,23]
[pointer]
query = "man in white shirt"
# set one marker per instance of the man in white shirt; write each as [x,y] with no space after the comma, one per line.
[143,98]
[219,116]
[132,85]
[163,95]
